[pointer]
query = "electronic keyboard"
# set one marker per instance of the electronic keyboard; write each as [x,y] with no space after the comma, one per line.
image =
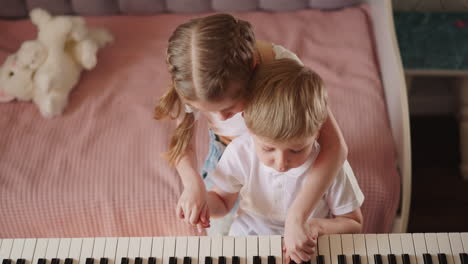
[428,248]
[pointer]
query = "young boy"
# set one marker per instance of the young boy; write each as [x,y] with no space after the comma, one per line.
[266,167]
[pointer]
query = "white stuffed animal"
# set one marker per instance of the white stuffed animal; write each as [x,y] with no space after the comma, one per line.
[47,69]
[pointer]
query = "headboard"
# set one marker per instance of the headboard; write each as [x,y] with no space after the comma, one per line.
[20,8]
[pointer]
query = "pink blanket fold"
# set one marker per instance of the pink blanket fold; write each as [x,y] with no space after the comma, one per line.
[97,169]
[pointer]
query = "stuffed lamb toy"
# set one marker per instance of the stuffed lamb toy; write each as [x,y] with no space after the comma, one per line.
[46,70]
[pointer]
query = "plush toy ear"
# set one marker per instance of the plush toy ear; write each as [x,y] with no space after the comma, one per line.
[32,54]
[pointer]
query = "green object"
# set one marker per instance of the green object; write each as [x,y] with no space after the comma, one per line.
[433,40]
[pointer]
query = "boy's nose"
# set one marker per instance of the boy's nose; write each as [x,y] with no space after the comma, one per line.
[281,163]
[223,116]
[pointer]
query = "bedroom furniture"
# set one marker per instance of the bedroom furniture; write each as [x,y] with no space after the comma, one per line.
[433,45]
[97,170]
[332,249]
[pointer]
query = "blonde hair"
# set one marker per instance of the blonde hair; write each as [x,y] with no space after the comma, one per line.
[203,55]
[286,101]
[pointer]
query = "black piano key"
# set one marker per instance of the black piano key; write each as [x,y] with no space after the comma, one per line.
[271,260]
[320,259]
[21,261]
[187,260]
[105,261]
[55,261]
[464,258]
[257,260]
[341,259]
[172,260]
[235,260]
[138,260]
[406,259]
[6,261]
[151,260]
[88,261]
[222,260]
[378,259]
[442,258]
[356,259]
[42,261]
[391,259]
[125,260]
[68,261]
[427,258]
[208,260]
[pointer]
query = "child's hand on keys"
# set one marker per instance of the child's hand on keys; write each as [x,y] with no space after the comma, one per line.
[193,208]
[300,241]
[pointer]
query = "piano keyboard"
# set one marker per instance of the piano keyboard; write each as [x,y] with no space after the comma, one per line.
[429,248]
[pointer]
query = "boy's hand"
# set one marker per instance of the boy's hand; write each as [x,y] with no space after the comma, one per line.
[193,208]
[299,241]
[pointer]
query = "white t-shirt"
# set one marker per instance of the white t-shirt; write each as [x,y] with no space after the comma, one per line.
[266,194]
[235,125]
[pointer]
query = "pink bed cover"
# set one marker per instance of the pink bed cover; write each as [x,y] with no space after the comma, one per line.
[97,171]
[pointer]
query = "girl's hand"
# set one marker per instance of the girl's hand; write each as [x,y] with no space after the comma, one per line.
[300,241]
[192,207]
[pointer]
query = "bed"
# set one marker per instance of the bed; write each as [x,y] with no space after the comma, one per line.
[97,170]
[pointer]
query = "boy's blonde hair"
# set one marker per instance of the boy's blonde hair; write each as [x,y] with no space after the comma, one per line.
[203,55]
[286,101]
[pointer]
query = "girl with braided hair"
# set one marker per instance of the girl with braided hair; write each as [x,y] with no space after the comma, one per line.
[211,60]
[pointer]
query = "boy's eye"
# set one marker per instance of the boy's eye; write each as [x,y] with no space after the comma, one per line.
[267,149]
[296,151]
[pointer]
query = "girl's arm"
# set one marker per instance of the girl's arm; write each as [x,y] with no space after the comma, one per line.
[220,202]
[349,223]
[333,153]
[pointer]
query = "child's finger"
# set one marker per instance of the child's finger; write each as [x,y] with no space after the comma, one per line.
[204,215]
[194,216]
[200,228]
[179,212]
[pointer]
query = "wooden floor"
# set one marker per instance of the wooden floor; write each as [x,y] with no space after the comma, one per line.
[439,194]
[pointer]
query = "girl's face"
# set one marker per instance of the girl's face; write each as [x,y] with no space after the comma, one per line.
[232,103]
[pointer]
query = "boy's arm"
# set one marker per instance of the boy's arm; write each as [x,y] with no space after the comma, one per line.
[349,223]
[220,202]
[333,153]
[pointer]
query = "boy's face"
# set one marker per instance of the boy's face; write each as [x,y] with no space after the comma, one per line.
[285,155]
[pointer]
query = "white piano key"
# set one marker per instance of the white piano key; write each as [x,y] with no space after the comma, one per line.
[86,249]
[276,249]
[64,249]
[407,247]
[324,248]
[192,249]
[252,248]
[228,248]
[264,248]
[145,249]
[335,248]
[111,249]
[464,237]
[432,246]
[419,247]
[41,248]
[169,249]
[240,249]
[16,250]
[28,251]
[384,247]
[348,247]
[133,249]
[360,247]
[157,249]
[75,249]
[181,249]
[5,250]
[395,247]
[205,248]
[99,248]
[444,246]
[52,249]
[216,248]
[122,249]
[372,247]
[457,246]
